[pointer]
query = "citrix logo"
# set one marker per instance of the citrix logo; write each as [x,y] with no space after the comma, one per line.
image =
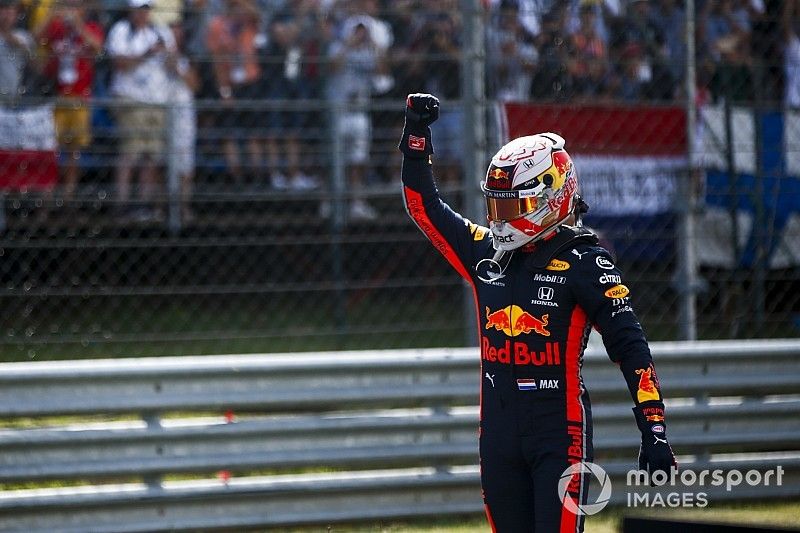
[610,278]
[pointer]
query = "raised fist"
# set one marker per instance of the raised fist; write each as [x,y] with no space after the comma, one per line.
[422,109]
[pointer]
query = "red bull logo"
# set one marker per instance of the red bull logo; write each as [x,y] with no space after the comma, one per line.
[562,162]
[564,194]
[498,174]
[647,387]
[513,320]
[521,353]
[574,455]
[497,178]
[654,418]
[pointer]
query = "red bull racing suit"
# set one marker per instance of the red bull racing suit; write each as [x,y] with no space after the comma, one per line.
[535,311]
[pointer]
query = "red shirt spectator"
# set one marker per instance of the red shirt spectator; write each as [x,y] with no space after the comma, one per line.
[72,44]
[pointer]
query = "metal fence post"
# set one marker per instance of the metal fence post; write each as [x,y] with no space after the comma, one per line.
[734,281]
[337,203]
[173,179]
[153,421]
[687,277]
[759,236]
[474,105]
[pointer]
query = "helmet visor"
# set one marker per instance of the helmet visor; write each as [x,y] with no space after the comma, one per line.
[511,208]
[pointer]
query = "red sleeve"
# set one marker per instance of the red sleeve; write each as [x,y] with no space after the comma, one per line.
[460,241]
[52,32]
[95,29]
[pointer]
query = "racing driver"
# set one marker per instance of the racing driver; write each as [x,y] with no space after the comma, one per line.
[541,282]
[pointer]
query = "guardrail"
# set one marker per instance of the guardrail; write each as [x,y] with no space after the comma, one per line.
[298,438]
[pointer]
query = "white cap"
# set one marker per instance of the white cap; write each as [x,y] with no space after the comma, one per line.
[140,3]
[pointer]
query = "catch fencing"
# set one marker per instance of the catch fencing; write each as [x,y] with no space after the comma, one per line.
[263,217]
[198,443]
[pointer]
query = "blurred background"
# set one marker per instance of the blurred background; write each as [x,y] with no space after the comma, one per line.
[221,176]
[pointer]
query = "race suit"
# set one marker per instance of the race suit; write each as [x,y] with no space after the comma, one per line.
[535,311]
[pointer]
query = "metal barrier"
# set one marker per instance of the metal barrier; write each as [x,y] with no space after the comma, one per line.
[299,438]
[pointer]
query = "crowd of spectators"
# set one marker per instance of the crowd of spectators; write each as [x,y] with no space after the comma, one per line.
[596,50]
[256,78]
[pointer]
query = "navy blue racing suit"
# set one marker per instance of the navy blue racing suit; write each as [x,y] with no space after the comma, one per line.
[535,311]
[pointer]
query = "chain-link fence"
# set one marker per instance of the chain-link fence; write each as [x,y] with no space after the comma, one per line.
[205,176]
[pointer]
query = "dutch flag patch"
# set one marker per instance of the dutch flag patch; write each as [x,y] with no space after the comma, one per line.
[526,384]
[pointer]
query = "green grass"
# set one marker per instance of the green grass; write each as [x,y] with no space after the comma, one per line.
[145,325]
[160,326]
[776,514]
[608,521]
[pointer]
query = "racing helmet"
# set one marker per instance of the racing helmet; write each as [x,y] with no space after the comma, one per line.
[530,190]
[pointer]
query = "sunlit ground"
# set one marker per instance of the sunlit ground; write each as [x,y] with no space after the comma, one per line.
[608,521]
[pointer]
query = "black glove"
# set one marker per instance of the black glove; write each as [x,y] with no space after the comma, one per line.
[422,110]
[655,452]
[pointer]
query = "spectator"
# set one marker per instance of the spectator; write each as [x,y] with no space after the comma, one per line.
[551,79]
[437,53]
[367,12]
[316,33]
[355,60]
[36,13]
[733,77]
[642,47]
[589,64]
[283,68]
[167,12]
[183,126]
[531,13]
[234,41]
[140,52]
[635,74]
[378,18]
[722,20]
[670,18]
[71,43]
[16,49]
[196,17]
[405,19]
[511,55]
[606,13]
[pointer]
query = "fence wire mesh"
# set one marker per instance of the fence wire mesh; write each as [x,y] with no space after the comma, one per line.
[205,176]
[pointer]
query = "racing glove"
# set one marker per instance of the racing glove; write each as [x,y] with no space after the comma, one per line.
[655,452]
[422,110]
